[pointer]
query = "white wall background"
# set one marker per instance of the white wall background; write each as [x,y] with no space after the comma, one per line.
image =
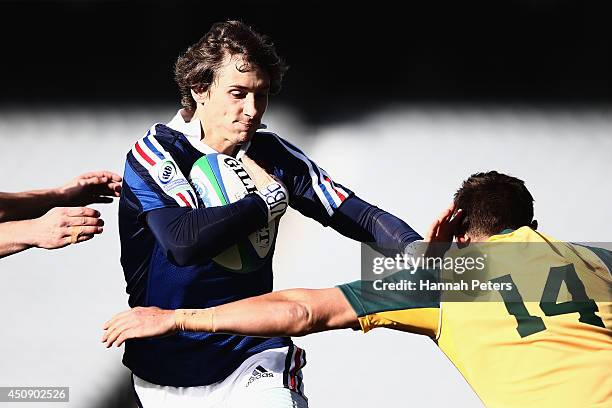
[407,160]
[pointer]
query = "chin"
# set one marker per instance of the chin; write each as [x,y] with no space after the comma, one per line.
[244,137]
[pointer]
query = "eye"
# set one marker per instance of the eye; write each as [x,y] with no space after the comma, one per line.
[236,93]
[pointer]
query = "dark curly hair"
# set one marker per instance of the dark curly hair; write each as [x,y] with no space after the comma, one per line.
[197,67]
[492,202]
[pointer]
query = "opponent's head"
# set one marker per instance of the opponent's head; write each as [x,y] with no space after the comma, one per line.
[226,77]
[492,202]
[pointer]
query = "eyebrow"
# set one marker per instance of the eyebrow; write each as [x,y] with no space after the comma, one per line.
[246,88]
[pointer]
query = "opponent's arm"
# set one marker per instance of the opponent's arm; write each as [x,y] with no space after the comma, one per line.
[56,229]
[88,188]
[294,312]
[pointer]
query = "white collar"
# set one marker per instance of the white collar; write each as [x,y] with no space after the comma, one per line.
[193,131]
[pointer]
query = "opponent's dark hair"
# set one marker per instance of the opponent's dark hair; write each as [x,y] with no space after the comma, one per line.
[492,202]
[197,67]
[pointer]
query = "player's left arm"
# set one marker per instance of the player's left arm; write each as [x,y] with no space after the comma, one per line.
[293,312]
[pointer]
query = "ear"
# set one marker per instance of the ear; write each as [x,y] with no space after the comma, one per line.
[534,225]
[463,240]
[199,95]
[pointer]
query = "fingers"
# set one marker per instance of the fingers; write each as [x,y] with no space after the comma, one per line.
[100,180]
[432,232]
[114,176]
[79,238]
[79,219]
[108,323]
[120,328]
[88,230]
[260,176]
[86,221]
[109,175]
[113,334]
[81,234]
[79,225]
[451,219]
[115,318]
[120,336]
[86,237]
[251,166]
[246,160]
[455,221]
[443,227]
[138,322]
[97,185]
[103,189]
[115,187]
[112,331]
[124,336]
[81,212]
[446,214]
[83,223]
[434,228]
[456,218]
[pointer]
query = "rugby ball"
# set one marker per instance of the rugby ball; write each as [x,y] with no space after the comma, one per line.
[219,179]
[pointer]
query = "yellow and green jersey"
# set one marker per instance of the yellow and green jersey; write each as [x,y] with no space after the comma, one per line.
[540,337]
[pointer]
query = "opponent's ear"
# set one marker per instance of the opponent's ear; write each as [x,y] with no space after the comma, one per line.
[463,240]
[534,225]
[200,95]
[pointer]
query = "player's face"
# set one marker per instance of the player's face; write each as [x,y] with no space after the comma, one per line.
[235,102]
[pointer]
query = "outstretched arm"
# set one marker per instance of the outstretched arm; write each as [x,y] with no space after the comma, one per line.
[58,228]
[366,223]
[88,188]
[294,312]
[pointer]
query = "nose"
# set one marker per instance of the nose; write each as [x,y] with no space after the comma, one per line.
[250,107]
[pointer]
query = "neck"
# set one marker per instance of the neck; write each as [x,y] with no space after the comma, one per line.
[212,139]
[472,238]
[220,145]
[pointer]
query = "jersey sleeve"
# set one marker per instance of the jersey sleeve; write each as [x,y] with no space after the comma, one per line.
[602,258]
[153,177]
[396,302]
[312,190]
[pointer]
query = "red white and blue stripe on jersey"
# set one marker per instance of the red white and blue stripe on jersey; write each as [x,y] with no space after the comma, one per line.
[292,375]
[149,153]
[330,194]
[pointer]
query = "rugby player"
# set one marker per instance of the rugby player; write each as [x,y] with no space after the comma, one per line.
[544,342]
[169,238]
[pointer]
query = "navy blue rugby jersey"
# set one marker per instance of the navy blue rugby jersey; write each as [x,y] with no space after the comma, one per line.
[154,177]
